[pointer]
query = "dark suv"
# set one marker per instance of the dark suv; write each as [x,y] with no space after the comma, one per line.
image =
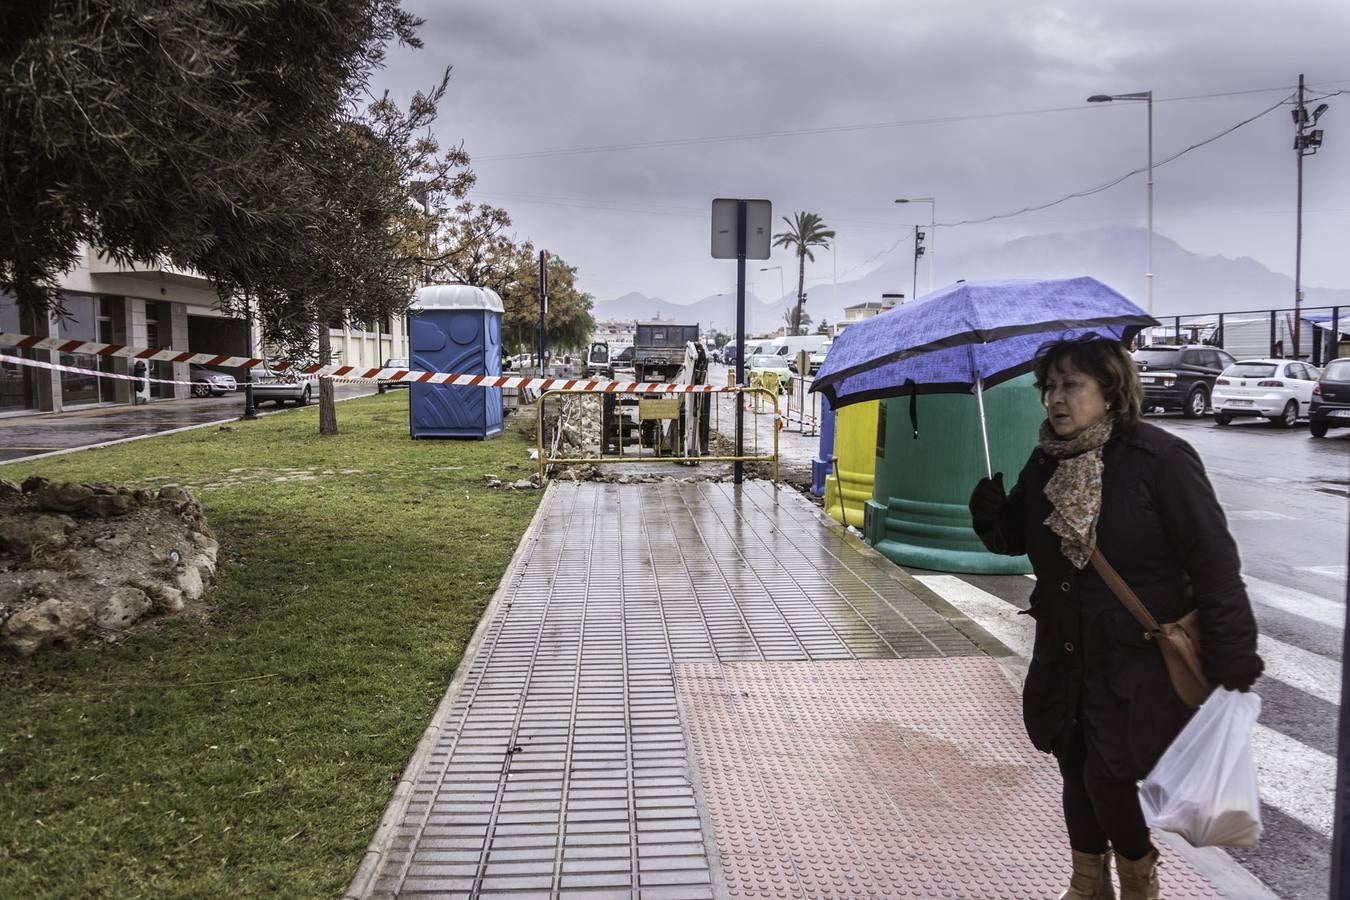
[1331,399]
[1180,377]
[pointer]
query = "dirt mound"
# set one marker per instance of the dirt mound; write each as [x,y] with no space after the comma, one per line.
[90,561]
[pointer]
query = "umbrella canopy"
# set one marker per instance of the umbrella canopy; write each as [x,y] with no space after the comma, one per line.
[969,334]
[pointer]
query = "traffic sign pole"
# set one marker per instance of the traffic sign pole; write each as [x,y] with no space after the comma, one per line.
[740,338]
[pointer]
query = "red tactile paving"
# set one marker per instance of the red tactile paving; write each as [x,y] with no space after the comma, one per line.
[879,778]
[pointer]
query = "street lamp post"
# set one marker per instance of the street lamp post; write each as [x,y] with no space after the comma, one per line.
[932,232]
[1147,97]
[781,289]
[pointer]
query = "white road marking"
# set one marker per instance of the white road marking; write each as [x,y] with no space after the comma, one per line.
[1296,779]
[1300,603]
[1309,672]
[998,617]
[1255,515]
[1337,572]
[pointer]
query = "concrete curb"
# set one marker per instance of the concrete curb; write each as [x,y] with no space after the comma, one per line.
[982,639]
[363,881]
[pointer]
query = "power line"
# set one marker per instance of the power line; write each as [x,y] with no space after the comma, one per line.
[1115,181]
[838,129]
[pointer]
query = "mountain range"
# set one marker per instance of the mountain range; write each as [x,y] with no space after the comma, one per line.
[1185,283]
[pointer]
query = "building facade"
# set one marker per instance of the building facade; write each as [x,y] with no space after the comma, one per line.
[146,306]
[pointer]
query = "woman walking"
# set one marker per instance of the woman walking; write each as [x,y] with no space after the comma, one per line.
[1097,693]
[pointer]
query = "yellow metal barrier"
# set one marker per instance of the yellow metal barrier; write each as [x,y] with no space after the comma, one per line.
[654,409]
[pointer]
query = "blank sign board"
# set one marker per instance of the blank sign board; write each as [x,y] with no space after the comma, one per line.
[758,224]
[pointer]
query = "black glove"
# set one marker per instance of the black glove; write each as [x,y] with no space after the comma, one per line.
[1241,683]
[987,500]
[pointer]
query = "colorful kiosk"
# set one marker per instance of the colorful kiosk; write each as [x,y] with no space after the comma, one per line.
[917,514]
[855,442]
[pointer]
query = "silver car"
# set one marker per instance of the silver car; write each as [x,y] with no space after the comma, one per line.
[210,383]
[280,387]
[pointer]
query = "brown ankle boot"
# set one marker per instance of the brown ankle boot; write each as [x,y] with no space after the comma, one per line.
[1091,878]
[1138,877]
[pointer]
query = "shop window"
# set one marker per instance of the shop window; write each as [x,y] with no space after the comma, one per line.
[18,383]
[80,324]
[157,329]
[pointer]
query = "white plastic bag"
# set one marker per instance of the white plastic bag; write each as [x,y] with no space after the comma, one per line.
[1204,785]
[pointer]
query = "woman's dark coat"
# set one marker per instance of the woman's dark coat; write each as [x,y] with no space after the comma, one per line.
[1163,530]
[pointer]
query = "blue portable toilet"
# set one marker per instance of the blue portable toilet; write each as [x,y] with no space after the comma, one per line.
[455,328]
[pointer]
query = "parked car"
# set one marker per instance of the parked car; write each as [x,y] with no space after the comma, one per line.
[764,363]
[1180,377]
[1280,390]
[383,385]
[210,383]
[288,385]
[1331,399]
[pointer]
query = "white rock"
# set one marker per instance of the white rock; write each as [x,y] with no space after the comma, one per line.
[190,582]
[121,608]
[50,622]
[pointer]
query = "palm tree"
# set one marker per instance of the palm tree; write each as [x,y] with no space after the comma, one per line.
[806,232]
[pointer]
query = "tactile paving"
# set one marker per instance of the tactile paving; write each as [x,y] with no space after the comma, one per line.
[879,778]
[562,768]
[839,751]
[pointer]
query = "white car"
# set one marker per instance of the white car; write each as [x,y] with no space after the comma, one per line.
[762,364]
[1280,390]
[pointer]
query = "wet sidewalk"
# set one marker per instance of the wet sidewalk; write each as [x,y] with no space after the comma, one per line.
[689,690]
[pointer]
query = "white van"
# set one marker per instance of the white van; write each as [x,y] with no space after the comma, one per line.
[791,346]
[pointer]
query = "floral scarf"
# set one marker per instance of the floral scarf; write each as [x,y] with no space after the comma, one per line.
[1075,490]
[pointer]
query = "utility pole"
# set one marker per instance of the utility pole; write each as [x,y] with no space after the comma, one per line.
[918,251]
[1307,140]
[1300,122]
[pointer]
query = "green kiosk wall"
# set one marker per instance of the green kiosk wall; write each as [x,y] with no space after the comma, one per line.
[918,515]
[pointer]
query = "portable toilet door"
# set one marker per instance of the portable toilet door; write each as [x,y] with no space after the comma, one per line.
[455,328]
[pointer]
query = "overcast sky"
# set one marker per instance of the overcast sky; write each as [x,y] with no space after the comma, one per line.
[869,77]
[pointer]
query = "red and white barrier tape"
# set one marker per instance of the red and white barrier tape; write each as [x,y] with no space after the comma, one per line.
[117,376]
[55,367]
[347,373]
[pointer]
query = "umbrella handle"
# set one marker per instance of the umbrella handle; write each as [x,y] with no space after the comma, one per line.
[984,430]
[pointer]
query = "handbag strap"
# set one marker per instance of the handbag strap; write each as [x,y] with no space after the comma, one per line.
[1123,593]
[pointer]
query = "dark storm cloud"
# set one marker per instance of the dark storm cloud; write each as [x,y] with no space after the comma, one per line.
[545,76]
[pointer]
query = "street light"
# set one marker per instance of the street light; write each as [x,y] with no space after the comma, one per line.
[781,290]
[1147,97]
[932,231]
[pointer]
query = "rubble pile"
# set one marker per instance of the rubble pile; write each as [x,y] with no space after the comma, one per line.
[84,562]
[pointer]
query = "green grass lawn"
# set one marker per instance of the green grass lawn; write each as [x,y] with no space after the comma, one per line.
[252,754]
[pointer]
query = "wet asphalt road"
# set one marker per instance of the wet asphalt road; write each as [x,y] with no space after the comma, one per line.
[26,436]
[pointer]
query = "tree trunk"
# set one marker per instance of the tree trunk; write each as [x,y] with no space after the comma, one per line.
[801,296]
[327,408]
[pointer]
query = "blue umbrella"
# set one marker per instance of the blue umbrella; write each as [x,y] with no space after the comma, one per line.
[969,336]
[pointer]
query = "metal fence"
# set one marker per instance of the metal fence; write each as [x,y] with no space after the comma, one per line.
[1260,333]
[592,428]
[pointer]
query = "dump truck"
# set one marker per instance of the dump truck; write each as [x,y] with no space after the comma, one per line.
[659,349]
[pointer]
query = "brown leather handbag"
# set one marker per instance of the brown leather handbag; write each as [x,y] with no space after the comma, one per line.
[1179,641]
